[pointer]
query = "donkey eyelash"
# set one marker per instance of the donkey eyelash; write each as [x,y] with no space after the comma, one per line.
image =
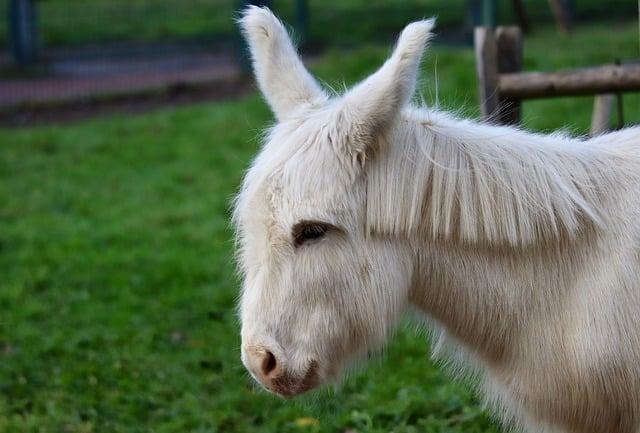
[307,231]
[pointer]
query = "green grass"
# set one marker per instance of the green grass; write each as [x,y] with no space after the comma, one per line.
[78,22]
[117,286]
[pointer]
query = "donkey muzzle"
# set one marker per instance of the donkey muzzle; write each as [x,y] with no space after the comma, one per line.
[268,367]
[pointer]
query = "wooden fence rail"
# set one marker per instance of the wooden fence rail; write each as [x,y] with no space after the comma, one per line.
[587,81]
[503,86]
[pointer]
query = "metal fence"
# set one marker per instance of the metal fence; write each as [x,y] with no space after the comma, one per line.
[137,42]
[62,26]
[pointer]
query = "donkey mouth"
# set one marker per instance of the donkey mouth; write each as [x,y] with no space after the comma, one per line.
[289,386]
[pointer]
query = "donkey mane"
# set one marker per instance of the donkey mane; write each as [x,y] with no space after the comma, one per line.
[444,178]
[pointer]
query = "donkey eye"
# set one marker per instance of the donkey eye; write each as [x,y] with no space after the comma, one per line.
[306,231]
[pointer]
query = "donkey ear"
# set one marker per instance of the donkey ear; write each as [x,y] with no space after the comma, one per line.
[374,102]
[281,76]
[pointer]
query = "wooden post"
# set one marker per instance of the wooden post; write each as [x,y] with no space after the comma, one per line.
[486,50]
[619,102]
[573,82]
[509,42]
[601,118]
[497,53]
[620,105]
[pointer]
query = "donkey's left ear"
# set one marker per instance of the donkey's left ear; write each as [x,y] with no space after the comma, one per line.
[283,79]
[373,103]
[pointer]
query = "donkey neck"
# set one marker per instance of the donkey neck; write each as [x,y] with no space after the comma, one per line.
[487,297]
[496,218]
[438,177]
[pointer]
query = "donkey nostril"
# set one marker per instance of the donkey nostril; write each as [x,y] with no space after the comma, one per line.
[269,363]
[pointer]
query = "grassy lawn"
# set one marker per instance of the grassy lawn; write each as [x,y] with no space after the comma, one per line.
[117,285]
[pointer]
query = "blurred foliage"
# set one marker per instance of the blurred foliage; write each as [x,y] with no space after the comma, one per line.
[117,286]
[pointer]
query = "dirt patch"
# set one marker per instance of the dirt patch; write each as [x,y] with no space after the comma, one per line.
[91,82]
[71,111]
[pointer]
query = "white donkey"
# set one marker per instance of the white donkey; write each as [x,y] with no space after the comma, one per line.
[521,249]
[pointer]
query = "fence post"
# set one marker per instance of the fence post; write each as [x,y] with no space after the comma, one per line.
[486,50]
[601,117]
[23,33]
[497,53]
[509,42]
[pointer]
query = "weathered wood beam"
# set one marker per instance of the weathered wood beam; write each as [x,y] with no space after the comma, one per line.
[497,52]
[509,41]
[587,81]
[601,117]
[486,50]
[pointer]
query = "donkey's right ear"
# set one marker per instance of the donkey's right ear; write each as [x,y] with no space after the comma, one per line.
[281,76]
[373,103]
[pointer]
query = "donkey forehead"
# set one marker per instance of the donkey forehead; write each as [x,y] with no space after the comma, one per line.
[303,159]
[278,194]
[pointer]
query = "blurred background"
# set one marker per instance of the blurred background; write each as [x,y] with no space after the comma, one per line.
[125,127]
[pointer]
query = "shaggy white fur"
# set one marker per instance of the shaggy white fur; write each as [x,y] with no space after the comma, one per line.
[448,178]
[520,249]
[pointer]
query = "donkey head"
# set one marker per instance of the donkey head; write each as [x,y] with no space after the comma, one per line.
[318,289]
